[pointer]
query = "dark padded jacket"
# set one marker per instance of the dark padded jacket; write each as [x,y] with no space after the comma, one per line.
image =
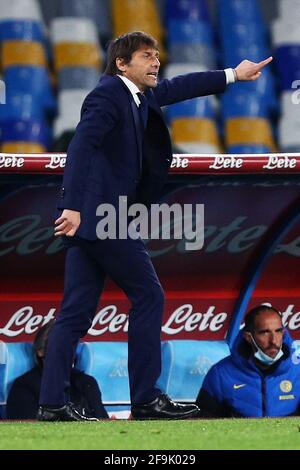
[236,386]
[23,398]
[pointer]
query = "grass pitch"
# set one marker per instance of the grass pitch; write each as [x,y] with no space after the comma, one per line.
[229,434]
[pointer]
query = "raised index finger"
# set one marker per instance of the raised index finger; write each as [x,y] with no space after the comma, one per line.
[265,62]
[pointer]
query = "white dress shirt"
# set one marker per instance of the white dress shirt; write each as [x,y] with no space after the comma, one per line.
[230,76]
[132,88]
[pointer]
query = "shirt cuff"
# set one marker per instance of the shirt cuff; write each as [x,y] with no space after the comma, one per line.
[230,76]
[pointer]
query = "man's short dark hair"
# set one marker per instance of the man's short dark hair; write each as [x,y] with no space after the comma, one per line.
[124,46]
[254,312]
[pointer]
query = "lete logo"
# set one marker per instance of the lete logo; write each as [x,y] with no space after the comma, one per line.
[276,162]
[109,321]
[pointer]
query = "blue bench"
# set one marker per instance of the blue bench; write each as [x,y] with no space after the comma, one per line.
[184,366]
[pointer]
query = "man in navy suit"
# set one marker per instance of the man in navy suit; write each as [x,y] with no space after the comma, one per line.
[121,148]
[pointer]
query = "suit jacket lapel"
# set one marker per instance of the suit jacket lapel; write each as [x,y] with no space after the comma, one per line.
[139,131]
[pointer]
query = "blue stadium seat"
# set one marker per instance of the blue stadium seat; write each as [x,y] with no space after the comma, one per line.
[166,360]
[197,54]
[98,11]
[240,29]
[244,104]
[288,65]
[15,360]
[190,10]
[234,54]
[184,365]
[248,149]
[191,32]
[2,377]
[21,106]
[191,360]
[34,81]
[26,131]
[235,11]
[197,107]
[107,362]
[242,32]
[264,88]
[28,30]
[77,77]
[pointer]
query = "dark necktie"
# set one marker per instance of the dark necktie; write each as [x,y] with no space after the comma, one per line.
[143,108]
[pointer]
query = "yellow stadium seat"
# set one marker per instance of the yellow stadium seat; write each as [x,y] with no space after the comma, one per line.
[22,147]
[23,53]
[195,130]
[249,131]
[138,15]
[74,54]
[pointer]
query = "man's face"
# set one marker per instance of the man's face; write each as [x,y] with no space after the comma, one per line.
[268,332]
[143,68]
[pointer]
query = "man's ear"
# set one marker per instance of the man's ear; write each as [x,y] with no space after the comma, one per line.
[247,336]
[120,64]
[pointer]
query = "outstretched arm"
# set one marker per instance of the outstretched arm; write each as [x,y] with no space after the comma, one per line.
[248,70]
[189,86]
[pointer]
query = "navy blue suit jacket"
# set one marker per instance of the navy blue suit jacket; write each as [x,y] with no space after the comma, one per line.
[109,157]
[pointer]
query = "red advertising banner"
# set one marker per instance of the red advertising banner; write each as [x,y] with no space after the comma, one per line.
[54,163]
[185,318]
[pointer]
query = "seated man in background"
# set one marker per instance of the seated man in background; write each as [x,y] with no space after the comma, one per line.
[23,398]
[259,378]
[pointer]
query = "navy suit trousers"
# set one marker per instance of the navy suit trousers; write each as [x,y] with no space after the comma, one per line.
[87,263]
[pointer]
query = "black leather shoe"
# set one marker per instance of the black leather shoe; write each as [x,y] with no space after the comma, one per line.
[164,408]
[67,412]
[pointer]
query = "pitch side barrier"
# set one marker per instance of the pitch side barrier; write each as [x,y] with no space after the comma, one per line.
[250,255]
[226,164]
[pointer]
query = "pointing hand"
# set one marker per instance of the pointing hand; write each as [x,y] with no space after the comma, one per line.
[248,70]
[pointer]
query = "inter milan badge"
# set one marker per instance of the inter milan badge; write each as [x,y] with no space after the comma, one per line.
[286,386]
